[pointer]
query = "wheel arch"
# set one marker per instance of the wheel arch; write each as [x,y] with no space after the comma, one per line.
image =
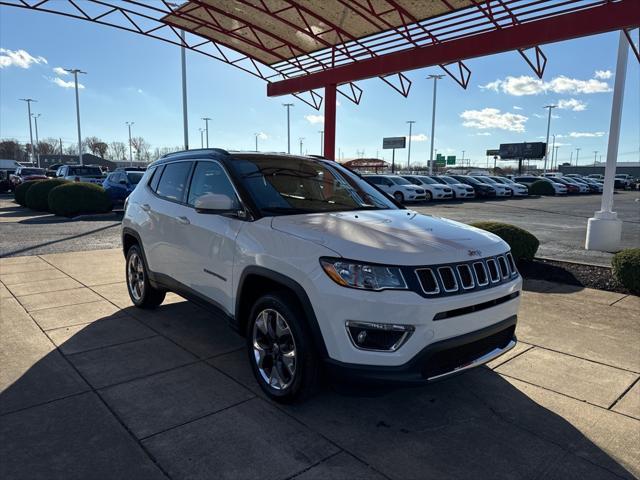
[256,281]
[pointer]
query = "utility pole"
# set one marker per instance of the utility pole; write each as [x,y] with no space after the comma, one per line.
[206,128]
[410,122]
[433,118]
[201,137]
[553,149]
[29,100]
[556,156]
[256,135]
[288,107]
[595,157]
[128,124]
[463,157]
[35,120]
[301,139]
[185,117]
[75,72]
[577,155]
[546,152]
[571,158]
[321,132]
[60,148]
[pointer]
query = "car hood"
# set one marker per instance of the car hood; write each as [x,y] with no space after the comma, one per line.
[395,237]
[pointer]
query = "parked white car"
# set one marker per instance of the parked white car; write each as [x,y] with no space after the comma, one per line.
[318,269]
[519,190]
[460,190]
[502,190]
[401,189]
[435,190]
[529,180]
[81,173]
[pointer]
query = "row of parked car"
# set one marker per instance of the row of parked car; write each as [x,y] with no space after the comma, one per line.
[418,188]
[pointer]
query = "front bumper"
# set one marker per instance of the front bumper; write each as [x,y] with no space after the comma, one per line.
[438,360]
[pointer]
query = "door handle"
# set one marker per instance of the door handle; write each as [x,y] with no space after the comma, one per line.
[145,206]
[183,220]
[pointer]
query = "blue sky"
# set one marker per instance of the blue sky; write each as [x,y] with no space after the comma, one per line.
[133,78]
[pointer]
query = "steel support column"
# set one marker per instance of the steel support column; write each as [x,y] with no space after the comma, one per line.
[330,122]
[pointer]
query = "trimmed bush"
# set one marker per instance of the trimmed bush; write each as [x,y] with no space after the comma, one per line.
[524,245]
[37,197]
[20,192]
[626,268]
[75,198]
[541,187]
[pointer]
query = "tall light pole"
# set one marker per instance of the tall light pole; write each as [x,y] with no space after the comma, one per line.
[410,122]
[201,137]
[321,132]
[35,120]
[546,152]
[206,128]
[433,118]
[463,151]
[577,155]
[555,157]
[128,124]
[288,107]
[595,157]
[183,62]
[29,100]
[75,72]
[301,140]
[553,150]
[256,135]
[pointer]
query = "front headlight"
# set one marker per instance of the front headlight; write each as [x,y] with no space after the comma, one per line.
[363,276]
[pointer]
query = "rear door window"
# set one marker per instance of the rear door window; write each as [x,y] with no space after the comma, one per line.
[174,180]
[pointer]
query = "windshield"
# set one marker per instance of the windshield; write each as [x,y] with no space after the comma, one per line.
[500,180]
[32,171]
[134,177]
[427,180]
[473,180]
[85,171]
[399,180]
[449,180]
[289,185]
[488,180]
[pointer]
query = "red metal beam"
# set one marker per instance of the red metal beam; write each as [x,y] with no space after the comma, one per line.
[601,19]
[330,122]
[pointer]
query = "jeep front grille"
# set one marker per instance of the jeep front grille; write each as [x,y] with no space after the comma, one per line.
[464,277]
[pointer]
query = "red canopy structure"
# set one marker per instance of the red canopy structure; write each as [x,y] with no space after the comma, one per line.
[300,46]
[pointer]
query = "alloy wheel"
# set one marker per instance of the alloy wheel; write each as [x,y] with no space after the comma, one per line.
[135,276]
[274,349]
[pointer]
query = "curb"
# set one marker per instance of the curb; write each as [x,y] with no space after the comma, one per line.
[98,216]
[573,262]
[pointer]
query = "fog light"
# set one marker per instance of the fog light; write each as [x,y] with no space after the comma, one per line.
[378,336]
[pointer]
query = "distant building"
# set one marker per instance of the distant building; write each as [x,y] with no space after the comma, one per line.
[629,168]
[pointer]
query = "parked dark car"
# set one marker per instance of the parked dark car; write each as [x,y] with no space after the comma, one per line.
[481,189]
[24,174]
[120,184]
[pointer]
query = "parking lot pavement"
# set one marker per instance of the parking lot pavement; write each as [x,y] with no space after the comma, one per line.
[559,223]
[94,388]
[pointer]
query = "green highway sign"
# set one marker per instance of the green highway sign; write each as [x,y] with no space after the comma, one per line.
[451,160]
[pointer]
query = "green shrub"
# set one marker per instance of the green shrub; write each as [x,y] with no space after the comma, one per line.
[20,192]
[626,268]
[524,245]
[37,197]
[541,187]
[75,198]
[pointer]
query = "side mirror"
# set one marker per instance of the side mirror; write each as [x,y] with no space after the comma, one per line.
[215,203]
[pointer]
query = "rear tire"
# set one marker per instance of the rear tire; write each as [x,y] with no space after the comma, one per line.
[399,197]
[281,349]
[428,196]
[142,294]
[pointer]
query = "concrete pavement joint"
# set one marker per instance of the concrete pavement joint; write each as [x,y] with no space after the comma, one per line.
[102,347]
[623,394]
[515,356]
[320,462]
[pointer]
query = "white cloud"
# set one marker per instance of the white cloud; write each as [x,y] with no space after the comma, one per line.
[493,118]
[313,119]
[515,107]
[587,134]
[420,137]
[140,91]
[60,71]
[338,104]
[483,134]
[603,74]
[64,84]
[527,85]
[18,58]
[572,104]
[263,136]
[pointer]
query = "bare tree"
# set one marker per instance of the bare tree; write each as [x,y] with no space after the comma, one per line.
[117,151]
[12,150]
[96,146]
[142,149]
[48,146]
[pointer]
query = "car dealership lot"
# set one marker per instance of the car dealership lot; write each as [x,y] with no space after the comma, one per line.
[93,388]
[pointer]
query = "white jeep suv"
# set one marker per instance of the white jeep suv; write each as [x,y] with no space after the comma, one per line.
[318,269]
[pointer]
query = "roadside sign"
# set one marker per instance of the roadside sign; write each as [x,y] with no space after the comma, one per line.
[493,153]
[440,160]
[527,150]
[451,160]
[394,142]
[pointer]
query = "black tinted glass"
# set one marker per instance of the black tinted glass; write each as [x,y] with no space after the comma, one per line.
[209,178]
[173,183]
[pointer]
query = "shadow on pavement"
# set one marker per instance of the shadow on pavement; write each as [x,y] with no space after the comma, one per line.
[175,384]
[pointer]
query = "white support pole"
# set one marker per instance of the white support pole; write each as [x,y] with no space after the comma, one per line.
[604,230]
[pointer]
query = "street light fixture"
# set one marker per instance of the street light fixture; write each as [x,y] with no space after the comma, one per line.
[546,152]
[128,124]
[206,128]
[433,117]
[410,122]
[288,107]
[29,100]
[37,150]
[75,72]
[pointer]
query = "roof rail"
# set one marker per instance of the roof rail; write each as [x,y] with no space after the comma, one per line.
[217,150]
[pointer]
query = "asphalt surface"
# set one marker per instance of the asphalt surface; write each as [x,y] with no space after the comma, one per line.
[559,223]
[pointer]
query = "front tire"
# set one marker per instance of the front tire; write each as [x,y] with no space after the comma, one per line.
[399,197]
[428,195]
[281,351]
[141,293]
